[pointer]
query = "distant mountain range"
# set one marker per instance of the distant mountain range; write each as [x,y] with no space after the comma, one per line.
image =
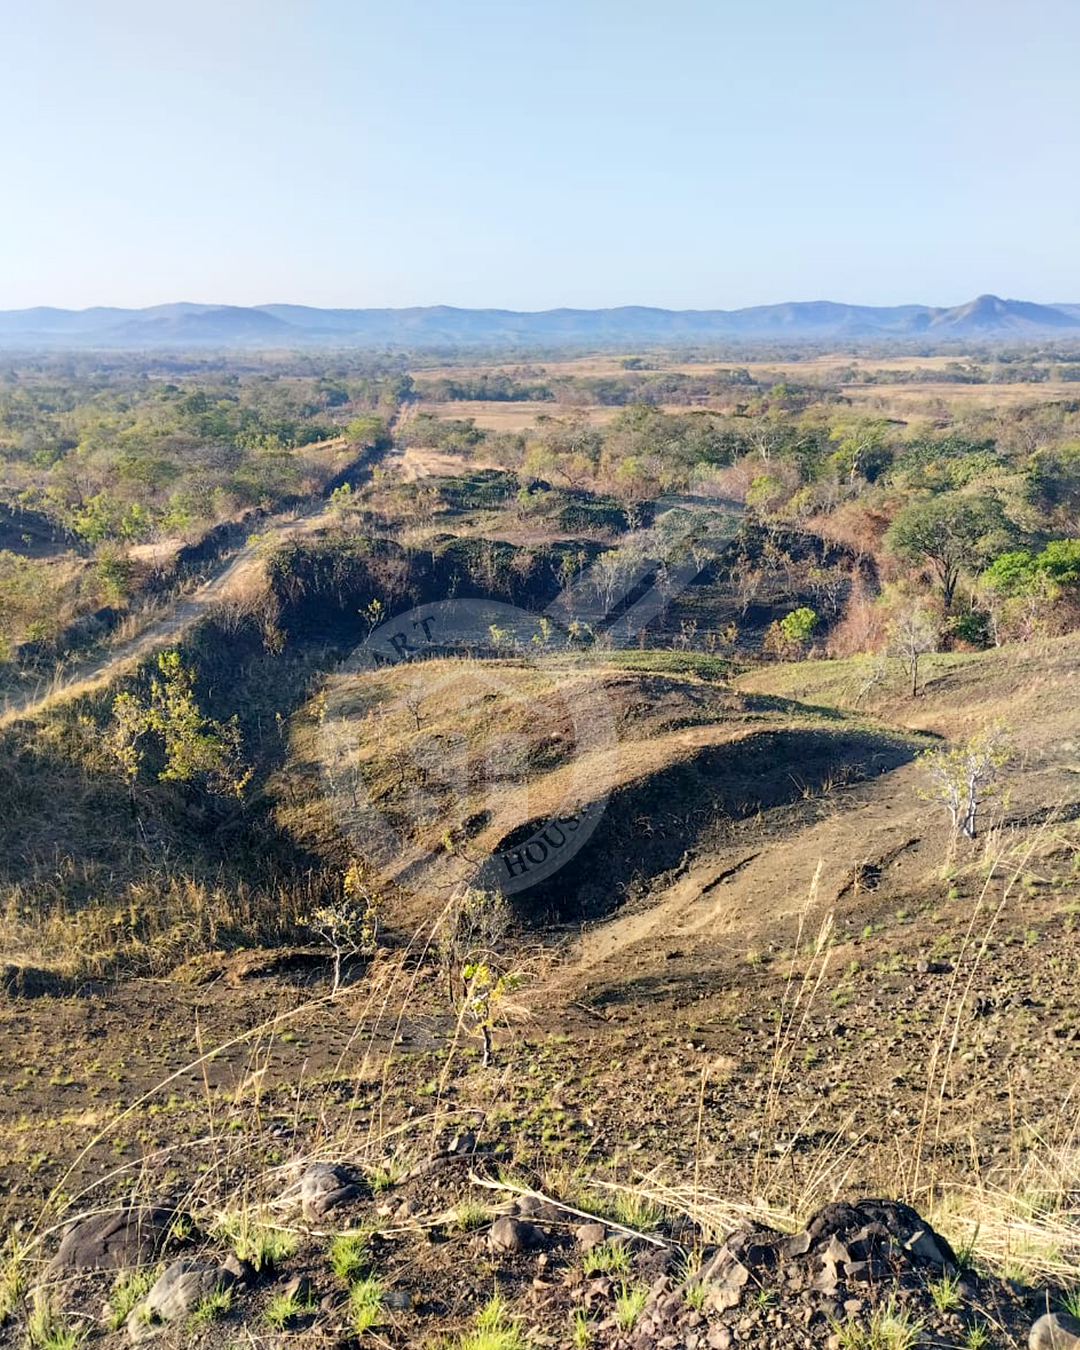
[441,326]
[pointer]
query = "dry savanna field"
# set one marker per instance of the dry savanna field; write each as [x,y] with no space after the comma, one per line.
[770,1051]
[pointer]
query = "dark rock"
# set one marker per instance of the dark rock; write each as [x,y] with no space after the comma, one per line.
[513,1235]
[590,1235]
[300,1289]
[243,1272]
[1055,1331]
[180,1290]
[323,1187]
[114,1241]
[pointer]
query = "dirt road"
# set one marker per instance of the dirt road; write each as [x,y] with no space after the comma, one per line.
[231,579]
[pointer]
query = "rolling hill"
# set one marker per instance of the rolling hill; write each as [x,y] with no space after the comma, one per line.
[443,326]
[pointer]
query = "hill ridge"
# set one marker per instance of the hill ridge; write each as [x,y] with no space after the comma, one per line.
[185,323]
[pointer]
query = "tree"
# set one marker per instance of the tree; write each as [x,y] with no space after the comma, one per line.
[799,624]
[963,778]
[862,448]
[914,633]
[349,924]
[472,924]
[947,532]
[485,990]
[195,747]
[1060,561]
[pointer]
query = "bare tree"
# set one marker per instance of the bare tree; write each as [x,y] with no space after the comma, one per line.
[913,634]
[964,777]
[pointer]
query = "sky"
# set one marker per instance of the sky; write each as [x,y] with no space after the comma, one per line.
[537,153]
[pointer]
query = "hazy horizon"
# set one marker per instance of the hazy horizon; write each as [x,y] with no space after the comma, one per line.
[629,304]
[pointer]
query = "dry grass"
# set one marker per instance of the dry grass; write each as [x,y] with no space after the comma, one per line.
[514,416]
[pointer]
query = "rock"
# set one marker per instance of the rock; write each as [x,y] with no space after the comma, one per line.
[590,1235]
[512,1235]
[398,1300]
[300,1289]
[114,1241]
[323,1187]
[927,1246]
[1055,1331]
[181,1288]
[724,1276]
[465,1142]
[243,1272]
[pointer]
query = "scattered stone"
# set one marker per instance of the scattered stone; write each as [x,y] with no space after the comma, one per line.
[323,1187]
[590,1235]
[398,1300]
[180,1289]
[300,1289]
[513,1235]
[1055,1331]
[465,1142]
[243,1272]
[114,1241]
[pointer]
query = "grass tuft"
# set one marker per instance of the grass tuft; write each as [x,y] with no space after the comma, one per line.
[264,1246]
[889,1327]
[365,1303]
[45,1330]
[349,1254]
[609,1258]
[129,1289]
[629,1302]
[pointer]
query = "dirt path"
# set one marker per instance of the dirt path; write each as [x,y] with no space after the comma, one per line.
[232,579]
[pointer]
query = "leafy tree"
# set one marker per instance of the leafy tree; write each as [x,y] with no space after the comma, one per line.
[1060,561]
[787,638]
[862,449]
[485,990]
[947,532]
[195,747]
[1012,573]
[799,624]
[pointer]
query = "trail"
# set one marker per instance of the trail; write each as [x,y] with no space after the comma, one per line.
[231,579]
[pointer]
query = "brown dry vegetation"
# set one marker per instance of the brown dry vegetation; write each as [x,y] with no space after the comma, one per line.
[775,977]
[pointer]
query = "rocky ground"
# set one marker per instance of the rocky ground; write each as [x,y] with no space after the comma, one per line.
[403,1268]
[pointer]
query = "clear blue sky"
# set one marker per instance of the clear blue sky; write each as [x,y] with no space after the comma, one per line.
[690,153]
